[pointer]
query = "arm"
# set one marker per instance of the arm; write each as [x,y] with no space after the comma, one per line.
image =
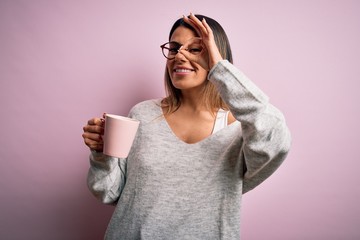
[106,177]
[265,134]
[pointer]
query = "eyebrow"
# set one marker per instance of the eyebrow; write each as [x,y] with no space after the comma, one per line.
[175,42]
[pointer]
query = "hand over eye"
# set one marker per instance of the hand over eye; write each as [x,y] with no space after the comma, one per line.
[210,55]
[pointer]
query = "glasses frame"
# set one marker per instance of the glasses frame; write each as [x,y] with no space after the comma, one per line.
[163,46]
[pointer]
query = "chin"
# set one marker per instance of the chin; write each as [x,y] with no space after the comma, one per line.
[186,85]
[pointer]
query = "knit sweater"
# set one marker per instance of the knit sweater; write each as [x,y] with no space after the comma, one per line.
[169,189]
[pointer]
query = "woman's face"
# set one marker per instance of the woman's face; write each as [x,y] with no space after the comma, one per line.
[185,75]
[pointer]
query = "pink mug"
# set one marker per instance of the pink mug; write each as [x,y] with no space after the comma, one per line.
[119,135]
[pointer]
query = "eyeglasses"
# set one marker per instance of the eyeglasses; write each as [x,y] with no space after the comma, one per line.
[193,46]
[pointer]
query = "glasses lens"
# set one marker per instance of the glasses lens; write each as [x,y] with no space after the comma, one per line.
[193,46]
[170,49]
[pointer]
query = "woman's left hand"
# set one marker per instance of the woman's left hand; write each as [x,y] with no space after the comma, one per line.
[210,55]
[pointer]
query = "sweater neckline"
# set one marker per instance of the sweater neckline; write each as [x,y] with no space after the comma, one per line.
[202,141]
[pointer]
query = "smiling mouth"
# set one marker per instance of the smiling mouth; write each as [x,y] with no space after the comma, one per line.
[182,70]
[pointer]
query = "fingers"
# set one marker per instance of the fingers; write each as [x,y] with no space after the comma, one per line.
[198,24]
[96,121]
[93,129]
[202,59]
[212,54]
[94,145]
[93,132]
[94,126]
[187,55]
[93,141]
[201,27]
[207,27]
[193,24]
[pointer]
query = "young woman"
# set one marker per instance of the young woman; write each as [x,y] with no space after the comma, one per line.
[214,137]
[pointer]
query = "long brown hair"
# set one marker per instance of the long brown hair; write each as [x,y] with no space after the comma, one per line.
[210,96]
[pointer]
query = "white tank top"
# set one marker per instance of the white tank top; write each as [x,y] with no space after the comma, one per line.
[221,120]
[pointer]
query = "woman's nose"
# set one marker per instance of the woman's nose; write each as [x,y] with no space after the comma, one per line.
[180,57]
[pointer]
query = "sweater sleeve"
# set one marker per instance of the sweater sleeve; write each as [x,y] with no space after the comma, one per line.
[266,138]
[106,177]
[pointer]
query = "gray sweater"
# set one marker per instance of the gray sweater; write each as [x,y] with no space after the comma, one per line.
[168,189]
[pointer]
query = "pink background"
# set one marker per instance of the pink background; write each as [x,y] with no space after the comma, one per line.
[63,62]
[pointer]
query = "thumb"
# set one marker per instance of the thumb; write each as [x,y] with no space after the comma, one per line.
[187,55]
[199,59]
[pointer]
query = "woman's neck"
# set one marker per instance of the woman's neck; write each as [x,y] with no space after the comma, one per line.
[193,100]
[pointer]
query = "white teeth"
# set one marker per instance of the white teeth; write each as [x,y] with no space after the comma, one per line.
[182,70]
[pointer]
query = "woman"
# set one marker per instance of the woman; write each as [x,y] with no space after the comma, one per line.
[214,137]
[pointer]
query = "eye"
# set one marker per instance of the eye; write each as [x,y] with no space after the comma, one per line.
[173,50]
[195,50]
[173,47]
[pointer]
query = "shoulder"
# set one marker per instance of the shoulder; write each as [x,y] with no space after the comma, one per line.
[147,105]
[146,109]
[227,115]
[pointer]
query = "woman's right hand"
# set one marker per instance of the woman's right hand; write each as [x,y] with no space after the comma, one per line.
[93,132]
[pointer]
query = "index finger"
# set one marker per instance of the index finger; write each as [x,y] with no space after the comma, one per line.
[96,121]
[197,24]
